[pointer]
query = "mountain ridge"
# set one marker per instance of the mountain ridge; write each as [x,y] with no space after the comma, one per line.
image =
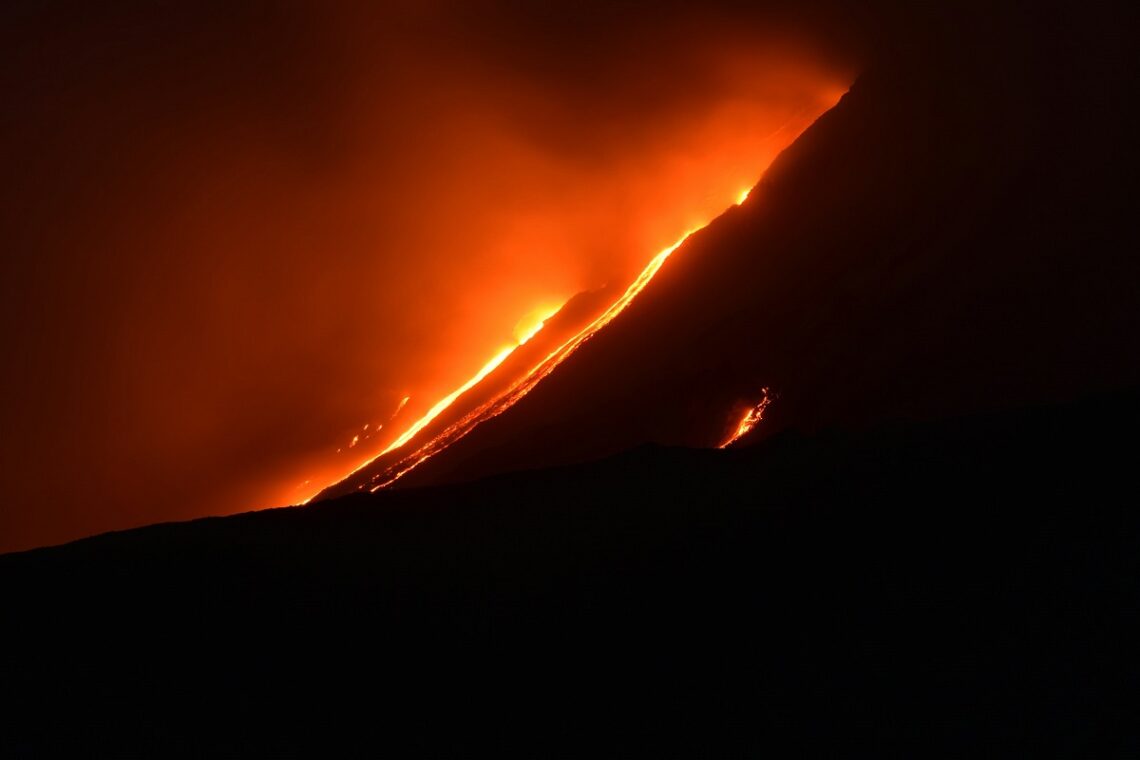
[903,247]
[908,587]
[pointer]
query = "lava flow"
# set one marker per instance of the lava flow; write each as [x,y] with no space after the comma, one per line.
[523,334]
[513,393]
[750,419]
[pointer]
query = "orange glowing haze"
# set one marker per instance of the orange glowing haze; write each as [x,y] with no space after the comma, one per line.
[280,256]
[523,384]
[726,180]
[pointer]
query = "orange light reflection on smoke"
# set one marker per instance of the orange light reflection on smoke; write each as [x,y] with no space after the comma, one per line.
[703,209]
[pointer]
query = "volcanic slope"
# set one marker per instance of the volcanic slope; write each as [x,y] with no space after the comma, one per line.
[956,235]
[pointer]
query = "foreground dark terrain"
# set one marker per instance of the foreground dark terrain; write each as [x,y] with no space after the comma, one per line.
[969,584]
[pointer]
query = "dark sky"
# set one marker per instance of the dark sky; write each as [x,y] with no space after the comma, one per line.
[234,233]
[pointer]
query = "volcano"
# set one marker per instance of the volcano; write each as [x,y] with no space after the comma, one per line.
[916,337]
[910,257]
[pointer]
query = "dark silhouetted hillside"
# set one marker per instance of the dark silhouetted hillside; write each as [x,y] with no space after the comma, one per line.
[967,585]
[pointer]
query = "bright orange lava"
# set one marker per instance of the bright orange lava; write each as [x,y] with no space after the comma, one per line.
[750,419]
[442,425]
[526,329]
[528,326]
[524,385]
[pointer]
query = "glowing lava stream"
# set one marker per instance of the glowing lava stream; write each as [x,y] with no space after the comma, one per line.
[750,419]
[446,401]
[517,390]
[449,399]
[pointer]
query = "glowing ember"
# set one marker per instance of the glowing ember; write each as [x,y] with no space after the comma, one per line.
[750,419]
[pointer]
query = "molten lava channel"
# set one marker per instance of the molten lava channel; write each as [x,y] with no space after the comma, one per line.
[750,420]
[522,386]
